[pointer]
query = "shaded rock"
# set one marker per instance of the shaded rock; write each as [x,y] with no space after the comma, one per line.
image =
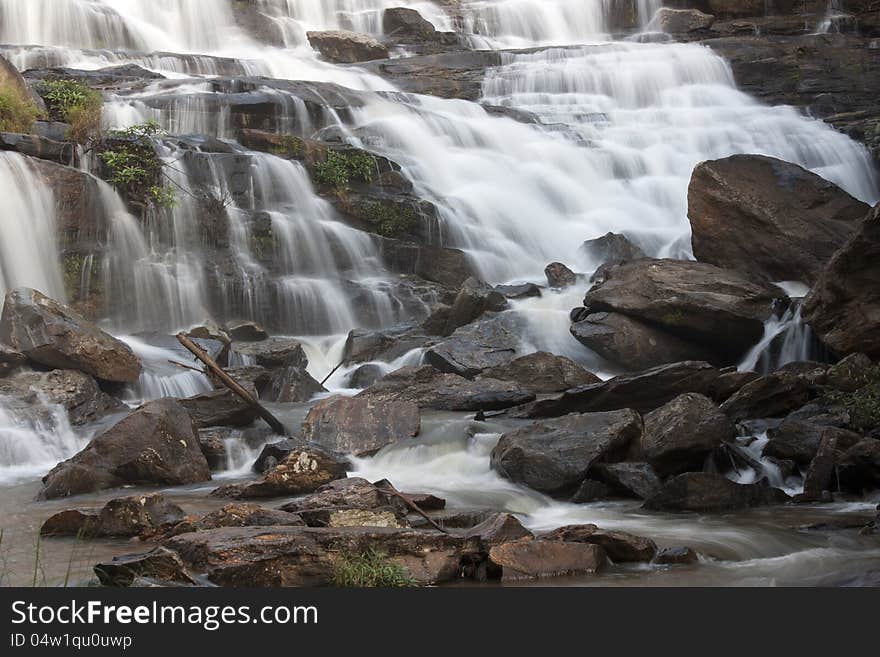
[430,388]
[239,514]
[247,332]
[342,47]
[273,453]
[452,518]
[303,470]
[273,352]
[77,392]
[844,306]
[621,547]
[774,395]
[757,214]
[702,491]
[159,564]
[818,479]
[60,151]
[859,466]
[10,360]
[630,479]
[219,408]
[673,556]
[53,335]
[140,515]
[799,440]
[590,491]
[500,528]
[851,373]
[477,347]
[364,345]
[211,333]
[292,385]
[611,248]
[405,25]
[542,372]
[156,444]
[308,556]
[632,344]
[678,21]
[529,559]
[213,445]
[643,391]
[360,425]
[719,309]
[731,382]
[555,455]
[559,276]
[522,291]
[365,376]
[473,300]
[681,434]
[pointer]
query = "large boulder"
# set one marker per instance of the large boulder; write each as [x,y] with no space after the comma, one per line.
[610,249]
[533,559]
[304,469]
[702,491]
[634,345]
[141,515]
[272,353]
[757,214]
[51,334]
[629,478]
[77,392]
[220,408]
[343,47]
[477,347]
[774,395]
[798,437]
[405,25]
[621,547]
[844,305]
[681,434]
[10,360]
[312,556]
[160,564]
[236,514]
[859,466]
[681,21]
[643,391]
[559,276]
[291,385]
[156,444]
[473,300]
[555,455]
[360,425]
[430,388]
[719,309]
[543,373]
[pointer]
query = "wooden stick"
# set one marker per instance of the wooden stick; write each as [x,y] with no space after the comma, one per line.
[391,490]
[186,367]
[332,372]
[232,384]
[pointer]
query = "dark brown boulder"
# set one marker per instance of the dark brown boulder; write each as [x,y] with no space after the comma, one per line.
[239,514]
[219,408]
[621,547]
[533,559]
[430,388]
[820,474]
[681,434]
[798,440]
[246,332]
[477,347]
[126,517]
[705,492]
[559,276]
[774,395]
[859,466]
[473,300]
[404,25]
[342,47]
[761,215]
[634,345]
[542,373]
[51,334]
[273,352]
[156,444]
[291,385]
[350,493]
[309,556]
[676,556]
[77,392]
[629,478]
[159,564]
[304,469]
[611,249]
[844,305]
[720,309]
[555,455]
[500,528]
[360,425]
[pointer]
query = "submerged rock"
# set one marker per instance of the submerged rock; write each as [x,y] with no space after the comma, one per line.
[51,334]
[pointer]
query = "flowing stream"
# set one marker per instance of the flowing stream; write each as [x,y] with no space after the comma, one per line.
[573,135]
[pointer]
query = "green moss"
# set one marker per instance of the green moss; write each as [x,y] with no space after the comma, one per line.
[75,103]
[673,318]
[17,111]
[289,146]
[74,266]
[863,404]
[370,569]
[391,219]
[339,169]
[134,167]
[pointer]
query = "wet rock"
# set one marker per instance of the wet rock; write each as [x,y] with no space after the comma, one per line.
[211,333]
[676,556]
[238,514]
[452,518]
[213,444]
[528,559]
[477,347]
[53,335]
[611,249]
[499,529]
[342,47]
[799,440]
[555,455]
[156,444]
[774,395]
[404,25]
[273,352]
[429,388]
[308,556]
[159,564]
[630,478]
[219,408]
[360,425]
[844,306]
[590,491]
[731,382]
[77,392]
[634,345]
[474,299]
[818,480]
[705,492]
[365,376]
[273,453]
[851,373]
[351,493]
[447,75]
[62,152]
[678,21]
[757,214]
[364,345]
[643,391]
[621,547]
[720,309]
[521,291]
[247,332]
[859,466]
[542,373]
[10,360]
[140,515]
[681,434]
[559,276]
[292,385]
[303,470]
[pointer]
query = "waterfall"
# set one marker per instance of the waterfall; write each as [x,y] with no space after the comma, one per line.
[28,240]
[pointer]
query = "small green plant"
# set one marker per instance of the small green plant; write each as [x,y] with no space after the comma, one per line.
[75,103]
[862,404]
[391,220]
[17,111]
[339,169]
[134,167]
[288,146]
[370,569]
